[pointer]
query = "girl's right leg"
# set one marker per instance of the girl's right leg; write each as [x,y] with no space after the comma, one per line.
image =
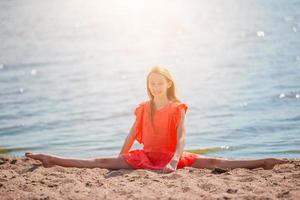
[112,162]
[211,163]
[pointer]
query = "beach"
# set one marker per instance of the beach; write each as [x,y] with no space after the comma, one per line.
[73,72]
[25,178]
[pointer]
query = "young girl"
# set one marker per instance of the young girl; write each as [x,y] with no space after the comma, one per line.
[159,126]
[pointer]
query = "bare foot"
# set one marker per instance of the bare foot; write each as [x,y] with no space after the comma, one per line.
[45,159]
[269,163]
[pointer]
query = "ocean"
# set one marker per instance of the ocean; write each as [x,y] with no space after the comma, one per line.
[72,73]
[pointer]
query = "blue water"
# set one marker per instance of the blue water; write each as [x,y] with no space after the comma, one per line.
[72,73]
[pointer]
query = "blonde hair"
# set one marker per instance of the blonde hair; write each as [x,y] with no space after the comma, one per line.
[171,92]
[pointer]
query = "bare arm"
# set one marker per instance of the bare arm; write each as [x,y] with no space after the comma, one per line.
[172,165]
[129,140]
[180,138]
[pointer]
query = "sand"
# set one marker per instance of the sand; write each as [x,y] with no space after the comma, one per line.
[25,178]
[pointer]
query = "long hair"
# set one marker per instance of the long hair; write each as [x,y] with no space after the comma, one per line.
[171,92]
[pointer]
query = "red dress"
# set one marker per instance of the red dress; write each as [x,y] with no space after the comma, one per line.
[159,146]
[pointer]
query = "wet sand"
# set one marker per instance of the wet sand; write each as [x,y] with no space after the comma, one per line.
[25,178]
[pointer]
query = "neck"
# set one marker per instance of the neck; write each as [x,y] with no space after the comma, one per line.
[161,100]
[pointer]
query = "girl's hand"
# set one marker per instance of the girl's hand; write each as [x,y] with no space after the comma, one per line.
[170,167]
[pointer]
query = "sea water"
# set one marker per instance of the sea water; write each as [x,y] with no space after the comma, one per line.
[72,73]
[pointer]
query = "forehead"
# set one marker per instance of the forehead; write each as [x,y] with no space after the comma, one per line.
[155,77]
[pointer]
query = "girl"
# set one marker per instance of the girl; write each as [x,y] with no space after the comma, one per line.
[159,126]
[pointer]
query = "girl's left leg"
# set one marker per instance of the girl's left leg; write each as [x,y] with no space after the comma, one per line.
[211,162]
[112,162]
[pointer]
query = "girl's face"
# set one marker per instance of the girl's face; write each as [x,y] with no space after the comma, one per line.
[158,84]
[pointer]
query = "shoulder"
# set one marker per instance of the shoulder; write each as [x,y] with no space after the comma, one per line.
[179,107]
[142,103]
[179,111]
[179,103]
[140,106]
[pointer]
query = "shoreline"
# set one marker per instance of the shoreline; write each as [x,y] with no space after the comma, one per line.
[25,178]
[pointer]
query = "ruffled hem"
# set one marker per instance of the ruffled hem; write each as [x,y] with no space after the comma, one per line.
[139,159]
[187,159]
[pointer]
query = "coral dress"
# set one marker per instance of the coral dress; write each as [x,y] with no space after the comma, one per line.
[159,146]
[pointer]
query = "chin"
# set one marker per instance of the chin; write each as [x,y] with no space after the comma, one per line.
[158,95]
